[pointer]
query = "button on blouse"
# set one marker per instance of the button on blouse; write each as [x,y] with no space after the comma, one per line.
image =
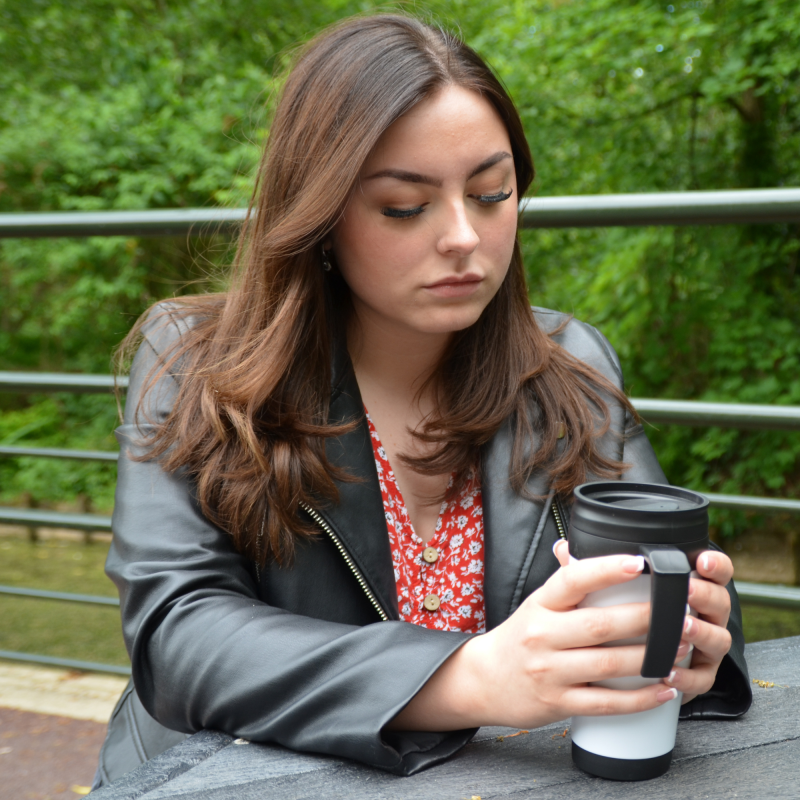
[439,585]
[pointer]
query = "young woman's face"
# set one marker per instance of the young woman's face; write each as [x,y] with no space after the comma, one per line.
[427,236]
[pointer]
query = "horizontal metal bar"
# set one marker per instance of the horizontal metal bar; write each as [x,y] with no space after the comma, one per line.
[162,222]
[53,452]
[723,415]
[39,518]
[26,382]
[69,663]
[766,594]
[662,208]
[42,594]
[655,208]
[674,412]
[745,503]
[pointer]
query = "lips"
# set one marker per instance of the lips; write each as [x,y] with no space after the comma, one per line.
[455,280]
[455,285]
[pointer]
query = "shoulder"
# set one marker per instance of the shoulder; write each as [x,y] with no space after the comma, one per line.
[582,341]
[157,366]
[165,324]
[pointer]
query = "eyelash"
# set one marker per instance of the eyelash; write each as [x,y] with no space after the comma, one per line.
[409,213]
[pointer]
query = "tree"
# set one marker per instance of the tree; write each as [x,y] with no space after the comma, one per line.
[164,105]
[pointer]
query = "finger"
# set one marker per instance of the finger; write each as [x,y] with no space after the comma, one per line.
[710,600]
[561,552]
[591,664]
[594,701]
[715,566]
[590,627]
[711,642]
[567,587]
[692,682]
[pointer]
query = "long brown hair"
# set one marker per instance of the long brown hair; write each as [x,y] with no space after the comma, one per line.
[251,416]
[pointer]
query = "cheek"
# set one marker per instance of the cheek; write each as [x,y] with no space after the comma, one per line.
[497,241]
[372,255]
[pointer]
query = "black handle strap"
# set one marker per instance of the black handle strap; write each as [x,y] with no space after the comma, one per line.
[669,592]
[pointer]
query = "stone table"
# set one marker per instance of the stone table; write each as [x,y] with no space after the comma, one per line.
[757,756]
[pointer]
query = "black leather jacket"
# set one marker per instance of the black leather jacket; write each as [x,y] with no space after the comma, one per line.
[314,656]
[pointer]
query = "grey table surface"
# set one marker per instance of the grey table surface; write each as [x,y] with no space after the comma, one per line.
[756,756]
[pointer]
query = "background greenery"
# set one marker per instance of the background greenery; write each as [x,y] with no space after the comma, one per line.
[137,104]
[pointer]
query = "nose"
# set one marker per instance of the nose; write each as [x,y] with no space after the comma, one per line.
[457,236]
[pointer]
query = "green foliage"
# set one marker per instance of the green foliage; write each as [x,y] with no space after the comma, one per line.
[147,104]
[66,630]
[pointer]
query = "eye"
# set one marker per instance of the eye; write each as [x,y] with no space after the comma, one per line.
[486,199]
[402,213]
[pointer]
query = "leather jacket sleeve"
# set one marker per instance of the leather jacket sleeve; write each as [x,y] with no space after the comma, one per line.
[207,653]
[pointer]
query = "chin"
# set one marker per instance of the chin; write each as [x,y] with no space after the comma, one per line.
[450,320]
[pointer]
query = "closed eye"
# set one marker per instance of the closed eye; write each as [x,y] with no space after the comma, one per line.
[492,198]
[402,213]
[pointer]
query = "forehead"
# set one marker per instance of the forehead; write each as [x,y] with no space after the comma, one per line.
[453,129]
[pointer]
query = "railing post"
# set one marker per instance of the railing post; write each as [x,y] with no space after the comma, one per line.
[85,507]
[29,501]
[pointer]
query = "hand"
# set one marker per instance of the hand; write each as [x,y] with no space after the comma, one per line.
[708,633]
[535,668]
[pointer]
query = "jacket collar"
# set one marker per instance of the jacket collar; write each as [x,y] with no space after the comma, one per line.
[358,518]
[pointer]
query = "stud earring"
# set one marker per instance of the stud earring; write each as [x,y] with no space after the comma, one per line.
[326,260]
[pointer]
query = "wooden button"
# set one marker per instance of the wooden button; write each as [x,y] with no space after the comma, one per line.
[430,554]
[431,602]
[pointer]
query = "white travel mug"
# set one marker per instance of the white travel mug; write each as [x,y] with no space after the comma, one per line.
[669,527]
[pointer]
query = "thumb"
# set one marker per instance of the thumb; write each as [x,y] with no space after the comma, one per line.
[561,552]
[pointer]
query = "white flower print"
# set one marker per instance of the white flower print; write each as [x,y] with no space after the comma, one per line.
[467,589]
[474,548]
[475,566]
[462,522]
[465,611]
[466,502]
[456,541]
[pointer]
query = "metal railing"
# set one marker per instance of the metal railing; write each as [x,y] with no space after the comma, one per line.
[679,208]
[577,211]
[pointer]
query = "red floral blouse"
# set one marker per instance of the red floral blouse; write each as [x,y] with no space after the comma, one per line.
[439,585]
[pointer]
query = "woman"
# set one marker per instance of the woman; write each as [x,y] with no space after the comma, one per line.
[343,479]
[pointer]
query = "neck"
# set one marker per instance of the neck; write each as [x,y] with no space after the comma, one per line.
[390,359]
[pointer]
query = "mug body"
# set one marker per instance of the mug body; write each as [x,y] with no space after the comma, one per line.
[626,747]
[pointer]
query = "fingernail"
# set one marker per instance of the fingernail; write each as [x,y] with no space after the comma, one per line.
[671,677]
[667,695]
[708,562]
[633,565]
[689,626]
[683,650]
[556,544]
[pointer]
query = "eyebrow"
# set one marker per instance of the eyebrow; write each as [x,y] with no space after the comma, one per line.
[416,177]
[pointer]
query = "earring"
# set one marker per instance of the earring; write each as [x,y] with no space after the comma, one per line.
[326,260]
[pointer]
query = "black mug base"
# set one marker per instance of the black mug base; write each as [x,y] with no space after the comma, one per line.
[620,769]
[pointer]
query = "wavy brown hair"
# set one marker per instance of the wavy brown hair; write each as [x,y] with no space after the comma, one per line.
[250,420]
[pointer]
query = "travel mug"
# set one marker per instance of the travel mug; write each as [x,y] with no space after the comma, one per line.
[669,527]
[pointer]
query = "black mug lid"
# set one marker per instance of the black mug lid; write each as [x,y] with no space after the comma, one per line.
[646,513]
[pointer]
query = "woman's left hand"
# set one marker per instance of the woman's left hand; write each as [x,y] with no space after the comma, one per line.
[707,632]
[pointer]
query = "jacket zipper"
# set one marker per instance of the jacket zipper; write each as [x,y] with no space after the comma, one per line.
[346,556]
[559,522]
